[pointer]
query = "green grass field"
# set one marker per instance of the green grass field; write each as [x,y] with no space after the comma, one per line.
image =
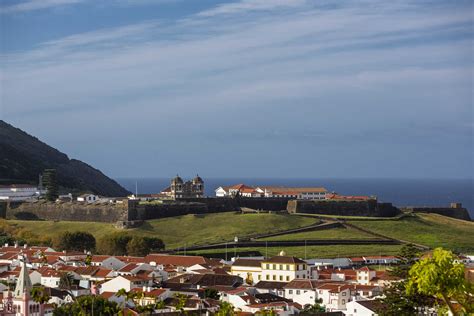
[334,233]
[432,230]
[183,230]
[325,251]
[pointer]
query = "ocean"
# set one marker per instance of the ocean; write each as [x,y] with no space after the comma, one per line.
[400,192]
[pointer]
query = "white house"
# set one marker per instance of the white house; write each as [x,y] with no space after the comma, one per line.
[108,262]
[334,296]
[302,291]
[88,198]
[123,282]
[362,308]
[364,275]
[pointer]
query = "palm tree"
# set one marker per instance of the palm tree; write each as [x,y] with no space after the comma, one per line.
[182,300]
[127,296]
[226,309]
[39,295]
[66,280]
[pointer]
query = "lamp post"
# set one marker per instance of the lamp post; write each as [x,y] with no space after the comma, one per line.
[236,240]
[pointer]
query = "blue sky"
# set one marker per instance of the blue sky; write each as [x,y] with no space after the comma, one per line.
[264,88]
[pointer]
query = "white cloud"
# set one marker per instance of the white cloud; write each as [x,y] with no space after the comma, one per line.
[243,6]
[32,5]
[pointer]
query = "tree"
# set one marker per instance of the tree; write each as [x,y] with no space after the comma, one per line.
[182,300]
[226,309]
[130,295]
[88,305]
[408,255]
[211,293]
[137,246]
[441,276]
[39,295]
[114,244]
[66,281]
[51,184]
[316,307]
[154,244]
[397,301]
[78,241]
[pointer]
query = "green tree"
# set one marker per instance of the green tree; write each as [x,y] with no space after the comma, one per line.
[114,244]
[226,309]
[88,305]
[396,300]
[408,254]
[51,184]
[317,307]
[39,295]
[211,293]
[182,300]
[66,281]
[78,241]
[130,295]
[154,244]
[137,246]
[441,276]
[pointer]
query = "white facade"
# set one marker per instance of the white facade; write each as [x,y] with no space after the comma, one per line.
[353,308]
[284,271]
[122,282]
[301,296]
[88,198]
[20,192]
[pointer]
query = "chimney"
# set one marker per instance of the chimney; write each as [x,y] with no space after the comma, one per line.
[25,246]
[16,244]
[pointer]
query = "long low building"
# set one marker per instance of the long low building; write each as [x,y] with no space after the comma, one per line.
[301,193]
[20,192]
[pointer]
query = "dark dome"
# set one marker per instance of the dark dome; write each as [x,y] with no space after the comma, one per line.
[177,179]
[197,179]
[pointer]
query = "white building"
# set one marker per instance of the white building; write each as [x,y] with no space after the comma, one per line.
[123,282]
[88,198]
[284,269]
[302,291]
[300,193]
[248,269]
[20,192]
[362,308]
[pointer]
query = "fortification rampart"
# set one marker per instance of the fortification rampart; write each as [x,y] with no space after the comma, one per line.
[68,211]
[455,212]
[343,208]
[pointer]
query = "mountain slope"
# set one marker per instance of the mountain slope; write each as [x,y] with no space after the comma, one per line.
[23,157]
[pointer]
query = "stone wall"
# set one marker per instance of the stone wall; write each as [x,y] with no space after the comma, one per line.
[70,211]
[343,208]
[459,213]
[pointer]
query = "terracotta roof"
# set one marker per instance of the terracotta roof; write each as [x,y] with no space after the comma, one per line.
[294,189]
[128,267]
[283,259]
[302,284]
[372,305]
[102,273]
[206,279]
[107,295]
[99,258]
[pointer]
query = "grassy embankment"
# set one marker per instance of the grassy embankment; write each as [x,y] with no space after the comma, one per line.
[428,229]
[182,230]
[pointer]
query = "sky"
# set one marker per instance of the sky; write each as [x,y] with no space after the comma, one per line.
[245,88]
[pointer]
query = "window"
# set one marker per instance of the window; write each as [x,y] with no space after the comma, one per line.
[259,276]
[290,292]
[280,267]
[343,293]
[281,277]
[343,301]
[298,292]
[287,278]
[267,277]
[274,278]
[287,267]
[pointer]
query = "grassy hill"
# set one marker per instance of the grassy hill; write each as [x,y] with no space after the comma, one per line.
[431,230]
[182,230]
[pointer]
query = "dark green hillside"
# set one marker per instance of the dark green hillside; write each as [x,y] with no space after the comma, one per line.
[23,157]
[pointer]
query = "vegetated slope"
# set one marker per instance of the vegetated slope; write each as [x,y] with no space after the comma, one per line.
[23,157]
[182,231]
[431,230]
